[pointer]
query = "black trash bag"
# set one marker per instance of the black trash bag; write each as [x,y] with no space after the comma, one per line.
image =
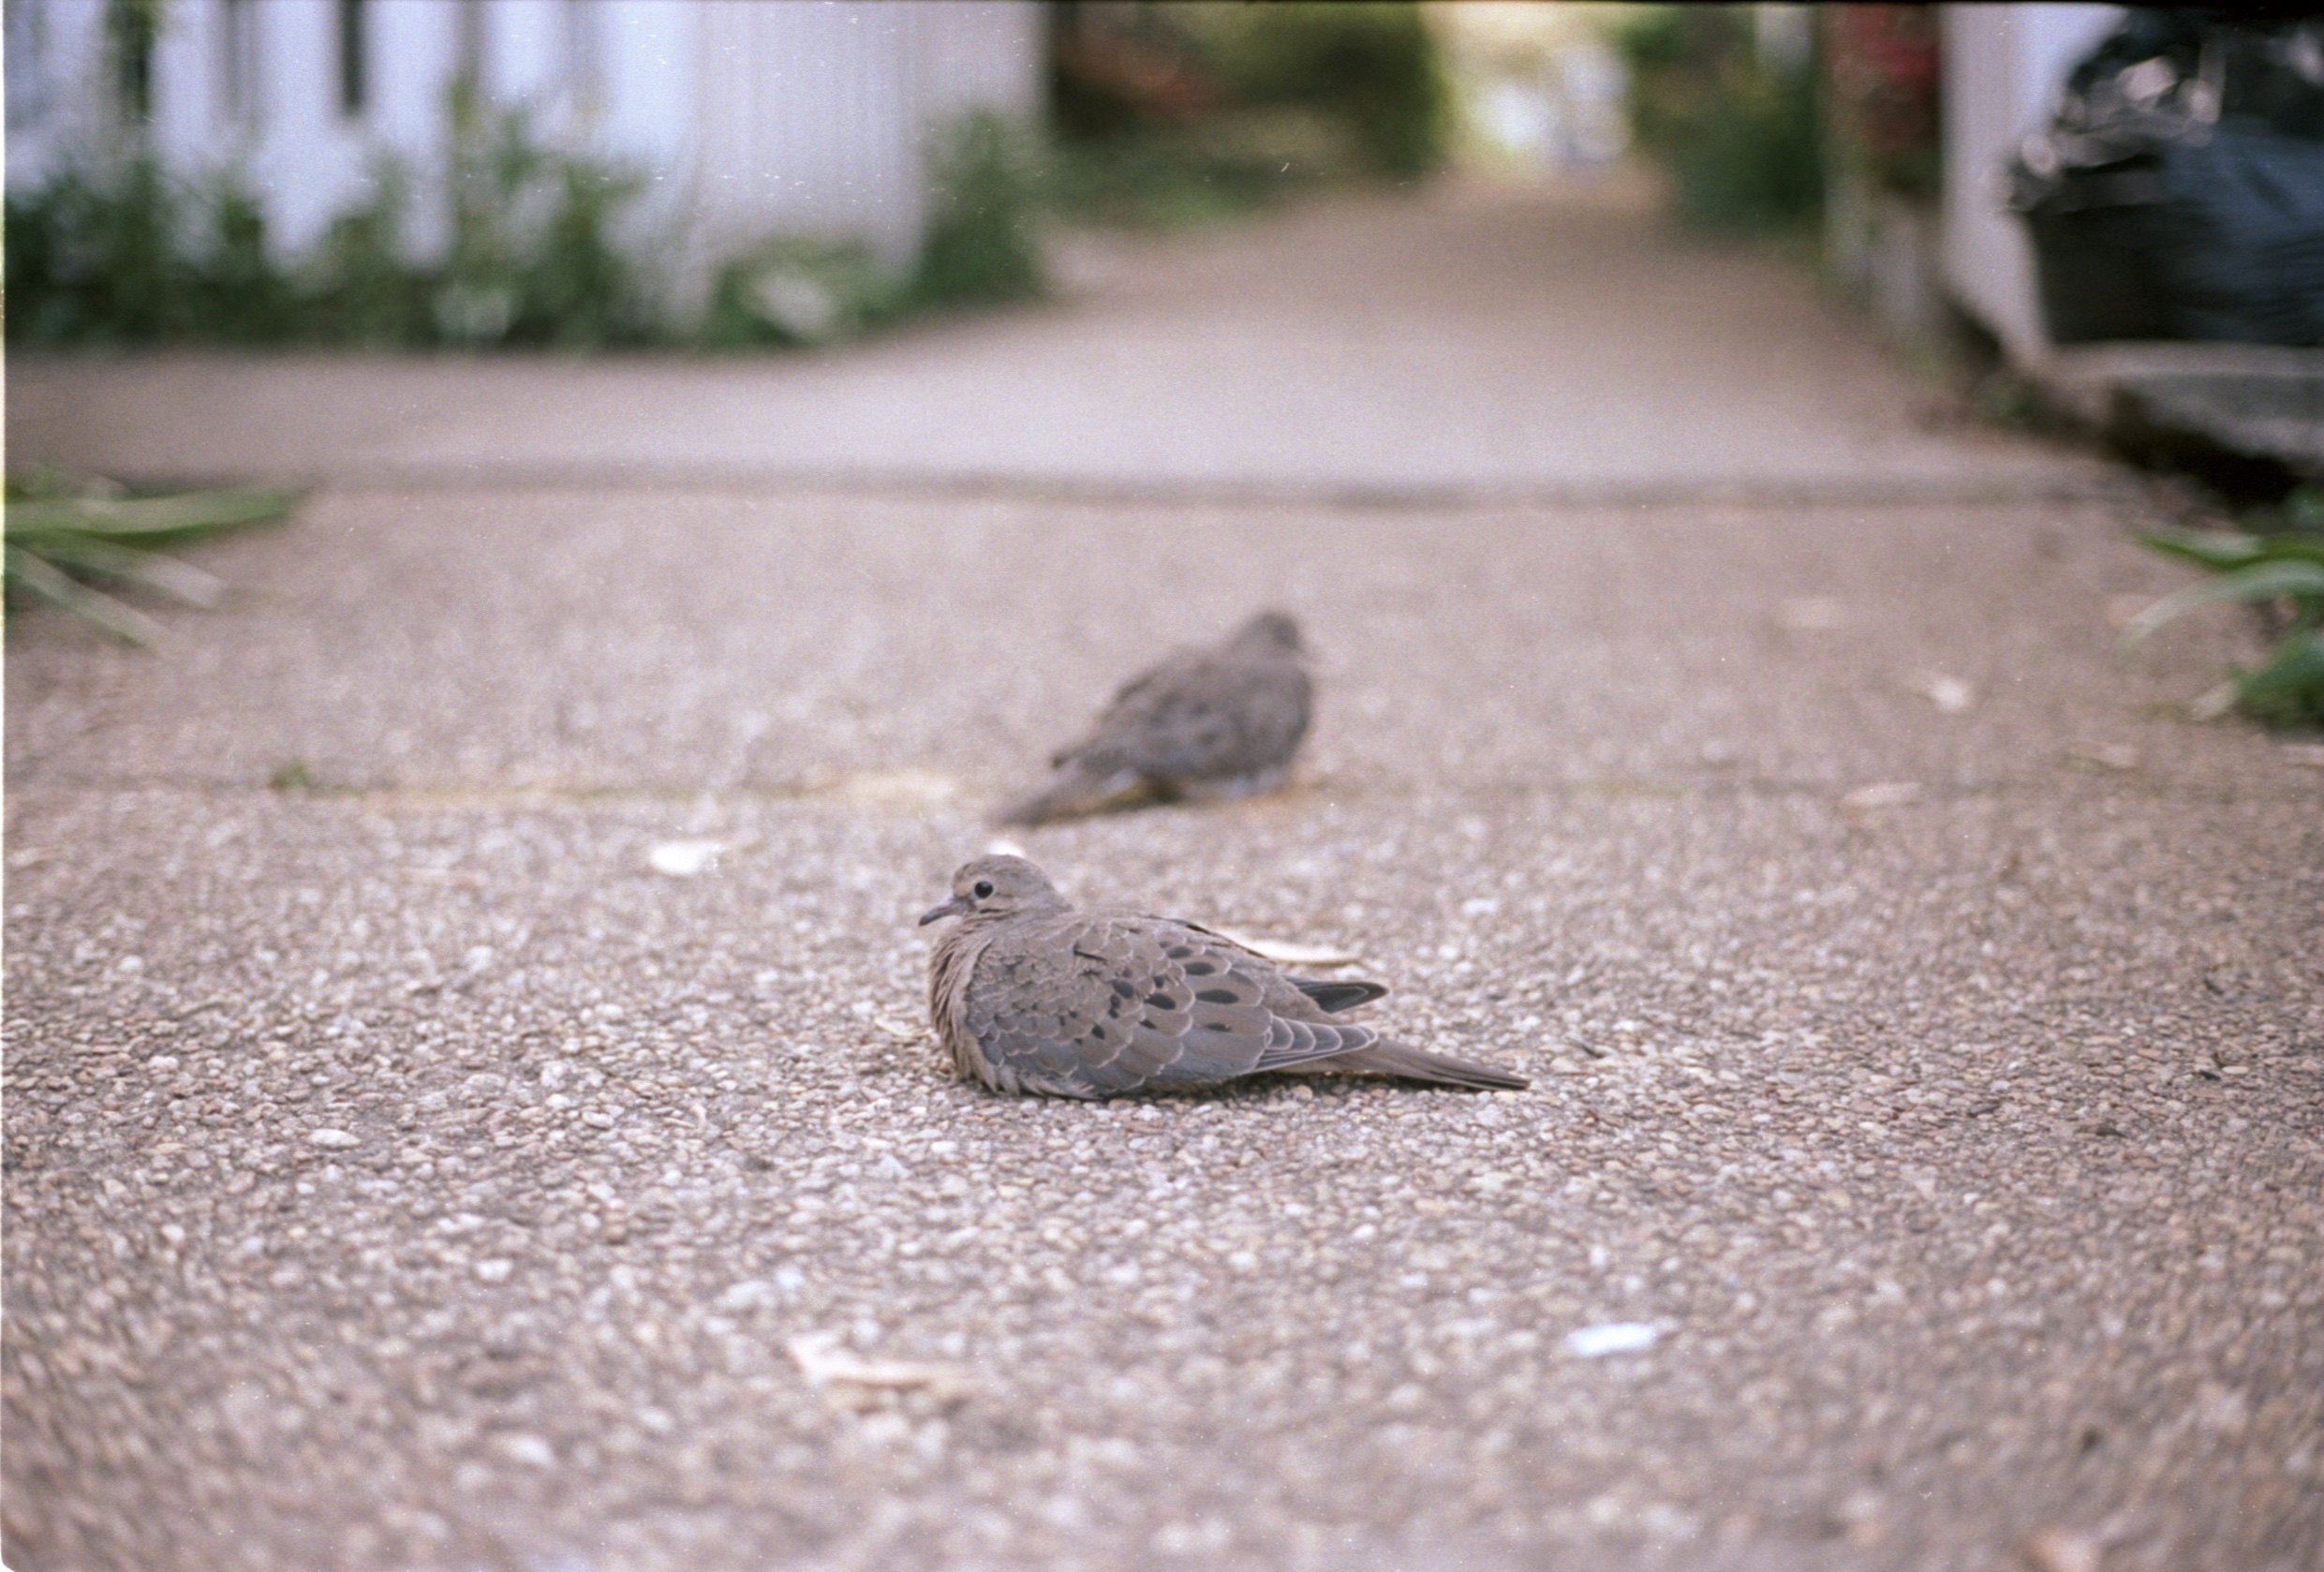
[2179,190]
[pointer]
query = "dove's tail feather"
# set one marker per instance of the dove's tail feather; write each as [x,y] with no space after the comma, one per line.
[1076,789]
[1333,997]
[1409,1064]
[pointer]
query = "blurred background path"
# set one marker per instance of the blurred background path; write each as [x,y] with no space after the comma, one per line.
[402,1172]
[1480,342]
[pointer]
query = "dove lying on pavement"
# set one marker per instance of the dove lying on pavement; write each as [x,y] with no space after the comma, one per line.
[1222,721]
[1029,995]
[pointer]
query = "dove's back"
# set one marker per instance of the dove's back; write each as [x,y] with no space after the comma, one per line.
[1220,722]
[1208,718]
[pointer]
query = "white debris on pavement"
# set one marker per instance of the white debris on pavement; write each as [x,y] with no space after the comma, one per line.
[1611,1337]
[824,1363]
[1881,794]
[684,859]
[1283,953]
[2062,1550]
[1951,694]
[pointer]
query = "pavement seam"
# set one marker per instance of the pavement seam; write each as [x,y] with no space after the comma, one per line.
[458,799]
[947,485]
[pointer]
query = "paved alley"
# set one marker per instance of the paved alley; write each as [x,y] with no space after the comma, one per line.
[1925,1019]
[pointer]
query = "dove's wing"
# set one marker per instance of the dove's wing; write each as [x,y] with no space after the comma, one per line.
[1227,720]
[1089,1005]
[1125,713]
[1299,998]
[1205,718]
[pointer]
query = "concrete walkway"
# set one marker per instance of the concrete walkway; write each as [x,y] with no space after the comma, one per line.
[1926,1025]
[1346,352]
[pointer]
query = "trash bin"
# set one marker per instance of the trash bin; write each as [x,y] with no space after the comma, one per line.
[2178,191]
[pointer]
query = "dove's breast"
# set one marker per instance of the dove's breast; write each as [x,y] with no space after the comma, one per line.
[950,971]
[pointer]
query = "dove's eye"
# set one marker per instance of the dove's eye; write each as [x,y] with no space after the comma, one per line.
[981,889]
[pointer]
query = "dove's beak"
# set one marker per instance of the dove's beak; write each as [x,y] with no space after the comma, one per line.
[957,906]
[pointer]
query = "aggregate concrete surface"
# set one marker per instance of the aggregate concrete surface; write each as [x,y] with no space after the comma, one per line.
[1928,1024]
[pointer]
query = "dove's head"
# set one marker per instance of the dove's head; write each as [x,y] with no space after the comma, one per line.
[994,887]
[1270,632]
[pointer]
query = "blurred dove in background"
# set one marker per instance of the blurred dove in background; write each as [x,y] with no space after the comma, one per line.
[1220,723]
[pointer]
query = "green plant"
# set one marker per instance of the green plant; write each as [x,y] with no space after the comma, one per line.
[2280,571]
[794,293]
[1373,67]
[63,531]
[1223,168]
[132,31]
[1740,138]
[239,294]
[95,256]
[981,246]
[532,259]
[118,251]
[1179,112]
[115,250]
[357,287]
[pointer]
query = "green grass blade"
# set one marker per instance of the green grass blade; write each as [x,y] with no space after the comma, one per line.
[152,519]
[2254,580]
[2292,547]
[2288,690]
[126,623]
[2213,548]
[2271,578]
[148,570]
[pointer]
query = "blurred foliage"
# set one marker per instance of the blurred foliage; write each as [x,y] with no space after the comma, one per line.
[2276,565]
[1171,177]
[1738,138]
[533,259]
[1181,112]
[981,246]
[1373,67]
[1882,81]
[67,533]
[127,254]
[798,293]
[357,286]
[1194,112]
[247,300]
[119,252]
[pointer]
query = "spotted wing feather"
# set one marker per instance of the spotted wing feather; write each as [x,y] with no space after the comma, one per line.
[1094,1005]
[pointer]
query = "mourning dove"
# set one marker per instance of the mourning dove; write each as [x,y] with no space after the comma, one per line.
[1221,721]
[1031,996]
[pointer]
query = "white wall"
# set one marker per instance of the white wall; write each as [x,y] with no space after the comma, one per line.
[2003,65]
[55,81]
[777,79]
[747,117]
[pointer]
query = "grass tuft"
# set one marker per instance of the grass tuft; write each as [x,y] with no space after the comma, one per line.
[2277,568]
[65,535]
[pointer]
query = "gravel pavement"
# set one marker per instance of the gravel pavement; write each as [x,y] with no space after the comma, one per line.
[1928,1025]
